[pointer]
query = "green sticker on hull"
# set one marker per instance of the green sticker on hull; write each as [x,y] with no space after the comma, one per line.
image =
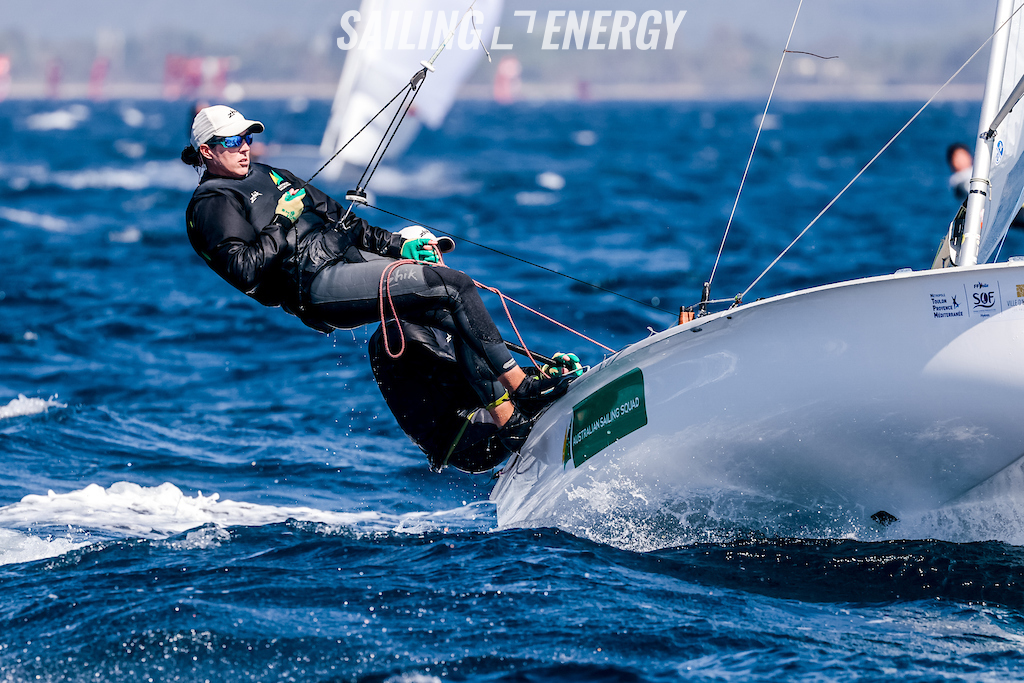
[604,417]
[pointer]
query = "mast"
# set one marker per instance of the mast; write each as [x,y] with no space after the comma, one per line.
[978,198]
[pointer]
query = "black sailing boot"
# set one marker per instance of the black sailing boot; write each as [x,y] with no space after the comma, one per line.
[537,391]
[514,432]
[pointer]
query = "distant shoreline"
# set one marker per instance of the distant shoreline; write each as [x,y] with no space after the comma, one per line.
[539,92]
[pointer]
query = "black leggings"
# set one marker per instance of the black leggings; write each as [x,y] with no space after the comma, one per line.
[345,295]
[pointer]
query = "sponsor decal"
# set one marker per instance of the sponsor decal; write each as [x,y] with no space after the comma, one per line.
[998,156]
[946,306]
[615,410]
[983,299]
[253,196]
[1019,300]
[281,183]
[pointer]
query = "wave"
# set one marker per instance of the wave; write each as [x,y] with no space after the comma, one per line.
[167,175]
[23,405]
[536,198]
[432,180]
[61,119]
[16,547]
[129,510]
[29,218]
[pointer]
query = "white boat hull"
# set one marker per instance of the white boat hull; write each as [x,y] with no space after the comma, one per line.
[897,393]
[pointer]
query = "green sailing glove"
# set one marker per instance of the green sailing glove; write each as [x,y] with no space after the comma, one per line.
[565,364]
[290,204]
[418,251]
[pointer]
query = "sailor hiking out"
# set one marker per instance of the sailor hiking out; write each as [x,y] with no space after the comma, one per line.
[286,243]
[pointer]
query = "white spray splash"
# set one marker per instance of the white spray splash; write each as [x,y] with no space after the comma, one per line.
[22,406]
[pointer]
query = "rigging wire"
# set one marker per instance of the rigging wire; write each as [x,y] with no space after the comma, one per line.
[880,152]
[522,260]
[396,122]
[358,133]
[801,52]
[753,148]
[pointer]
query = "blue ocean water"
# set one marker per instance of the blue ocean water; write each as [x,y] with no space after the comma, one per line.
[198,488]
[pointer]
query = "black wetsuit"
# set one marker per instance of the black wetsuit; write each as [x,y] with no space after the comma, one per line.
[331,281]
[433,402]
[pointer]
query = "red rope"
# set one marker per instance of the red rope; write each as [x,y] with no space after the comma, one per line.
[511,321]
[538,313]
[384,292]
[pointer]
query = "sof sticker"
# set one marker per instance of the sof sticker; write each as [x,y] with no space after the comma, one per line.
[613,411]
[984,299]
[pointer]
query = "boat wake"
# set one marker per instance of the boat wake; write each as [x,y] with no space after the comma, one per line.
[622,514]
[41,526]
[619,513]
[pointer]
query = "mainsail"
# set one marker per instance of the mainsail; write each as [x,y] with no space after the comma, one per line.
[1007,148]
[391,38]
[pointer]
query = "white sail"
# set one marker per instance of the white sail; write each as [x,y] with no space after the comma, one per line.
[390,40]
[1007,148]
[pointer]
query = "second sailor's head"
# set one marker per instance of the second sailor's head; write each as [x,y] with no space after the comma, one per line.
[220,140]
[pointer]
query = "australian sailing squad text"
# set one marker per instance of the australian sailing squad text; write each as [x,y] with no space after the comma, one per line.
[563,30]
[605,420]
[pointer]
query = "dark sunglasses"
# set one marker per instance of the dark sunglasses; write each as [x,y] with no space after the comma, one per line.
[232,141]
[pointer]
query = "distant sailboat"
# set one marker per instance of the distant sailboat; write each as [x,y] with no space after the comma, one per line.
[391,39]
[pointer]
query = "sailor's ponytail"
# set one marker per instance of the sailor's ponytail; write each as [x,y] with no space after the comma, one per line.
[191,156]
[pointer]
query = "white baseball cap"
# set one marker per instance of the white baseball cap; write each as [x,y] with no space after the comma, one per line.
[220,121]
[416,232]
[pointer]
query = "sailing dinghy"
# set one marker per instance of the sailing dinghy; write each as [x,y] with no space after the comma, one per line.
[895,394]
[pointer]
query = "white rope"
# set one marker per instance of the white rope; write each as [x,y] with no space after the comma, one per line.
[753,147]
[884,147]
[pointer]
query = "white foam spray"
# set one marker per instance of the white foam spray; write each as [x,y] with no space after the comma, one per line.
[128,510]
[22,406]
